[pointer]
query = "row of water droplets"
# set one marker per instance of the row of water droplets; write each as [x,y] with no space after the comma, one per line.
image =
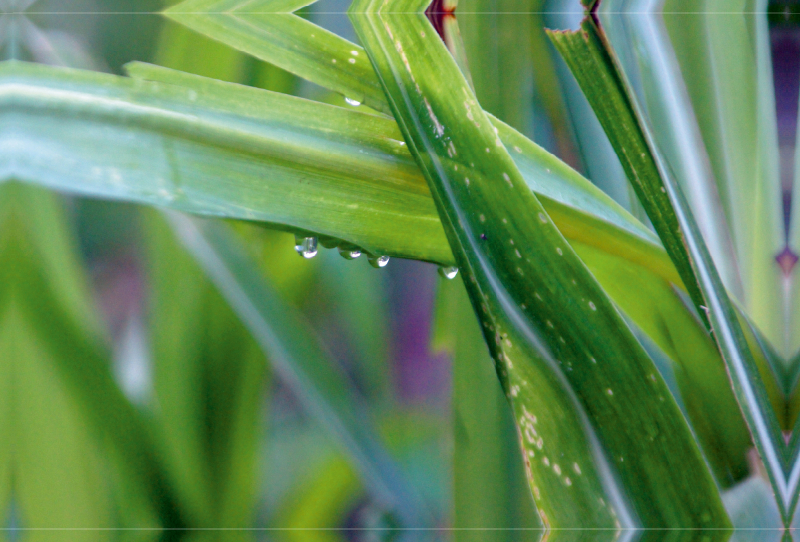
[308,247]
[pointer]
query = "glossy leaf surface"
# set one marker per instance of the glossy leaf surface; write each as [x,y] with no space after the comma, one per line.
[497,227]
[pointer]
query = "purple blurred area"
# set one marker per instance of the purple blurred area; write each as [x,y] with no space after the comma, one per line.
[785,43]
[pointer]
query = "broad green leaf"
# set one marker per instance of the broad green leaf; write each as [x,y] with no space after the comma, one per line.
[209,379]
[300,361]
[545,316]
[179,144]
[589,59]
[489,487]
[189,174]
[184,173]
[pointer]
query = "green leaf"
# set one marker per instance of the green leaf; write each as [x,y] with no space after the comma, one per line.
[184,172]
[589,59]
[180,142]
[547,321]
[190,176]
[300,361]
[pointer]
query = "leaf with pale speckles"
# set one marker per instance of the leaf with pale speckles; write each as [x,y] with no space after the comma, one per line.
[577,379]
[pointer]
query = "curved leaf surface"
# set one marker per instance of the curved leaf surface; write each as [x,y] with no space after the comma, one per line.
[544,315]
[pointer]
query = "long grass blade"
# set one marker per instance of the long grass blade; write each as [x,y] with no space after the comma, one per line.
[591,62]
[544,315]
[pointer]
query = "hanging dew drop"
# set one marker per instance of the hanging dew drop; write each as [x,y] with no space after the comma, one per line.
[349,253]
[305,246]
[448,272]
[352,102]
[379,261]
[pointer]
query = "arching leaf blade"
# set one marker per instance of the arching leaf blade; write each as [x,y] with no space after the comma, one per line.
[452,141]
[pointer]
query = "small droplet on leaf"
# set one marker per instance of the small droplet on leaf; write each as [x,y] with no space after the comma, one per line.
[448,272]
[305,246]
[348,252]
[379,261]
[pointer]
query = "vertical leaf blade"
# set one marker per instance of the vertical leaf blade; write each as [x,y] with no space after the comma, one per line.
[593,66]
[539,305]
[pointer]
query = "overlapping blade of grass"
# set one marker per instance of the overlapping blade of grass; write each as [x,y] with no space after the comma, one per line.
[298,358]
[724,60]
[358,183]
[589,59]
[544,315]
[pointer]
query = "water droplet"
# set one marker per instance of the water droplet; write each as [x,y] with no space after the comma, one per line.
[349,252]
[448,272]
[305,246]
[352,102]
[379,261]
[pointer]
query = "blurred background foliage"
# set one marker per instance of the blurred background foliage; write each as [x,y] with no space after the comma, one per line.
[186,420]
